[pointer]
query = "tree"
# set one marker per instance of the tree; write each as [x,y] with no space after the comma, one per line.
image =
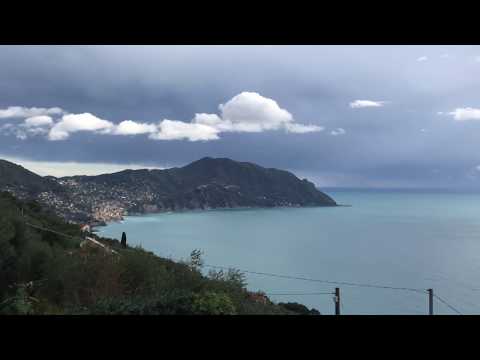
[299,308]
[124,240]
[196,261]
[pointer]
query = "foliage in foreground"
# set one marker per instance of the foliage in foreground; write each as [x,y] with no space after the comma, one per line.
[45,273]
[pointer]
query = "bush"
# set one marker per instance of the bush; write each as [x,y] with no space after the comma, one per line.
[211,303]
[22,303]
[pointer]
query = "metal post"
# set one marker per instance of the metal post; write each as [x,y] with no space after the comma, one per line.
[337,301]
[430,301]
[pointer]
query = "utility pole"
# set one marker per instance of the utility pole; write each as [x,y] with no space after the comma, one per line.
[337,301]
[430,301]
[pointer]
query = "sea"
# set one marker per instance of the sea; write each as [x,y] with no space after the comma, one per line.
[383,251]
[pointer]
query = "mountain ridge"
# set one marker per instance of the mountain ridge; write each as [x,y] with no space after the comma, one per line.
[206,183]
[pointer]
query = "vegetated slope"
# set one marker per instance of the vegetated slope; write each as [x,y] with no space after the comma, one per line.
[13,176]
[57,272]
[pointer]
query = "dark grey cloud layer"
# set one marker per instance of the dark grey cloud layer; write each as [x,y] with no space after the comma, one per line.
[405,142]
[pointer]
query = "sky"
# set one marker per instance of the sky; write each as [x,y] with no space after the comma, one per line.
[347,116]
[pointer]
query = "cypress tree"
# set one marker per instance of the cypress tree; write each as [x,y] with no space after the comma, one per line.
[124,240]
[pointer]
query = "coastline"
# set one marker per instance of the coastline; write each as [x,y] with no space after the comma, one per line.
[95,227]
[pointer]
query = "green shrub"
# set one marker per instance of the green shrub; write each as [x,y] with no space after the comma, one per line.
[211,303]
[88,280]
[22,303]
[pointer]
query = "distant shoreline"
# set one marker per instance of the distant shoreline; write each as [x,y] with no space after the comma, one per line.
[94,228]
[400,190]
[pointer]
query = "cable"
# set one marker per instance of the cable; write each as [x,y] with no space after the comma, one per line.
[52,231]
[74,237]
[317,280]
[447,304]
[315,293]
[292,277]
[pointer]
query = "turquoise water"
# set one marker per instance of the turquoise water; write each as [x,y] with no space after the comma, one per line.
[401,239]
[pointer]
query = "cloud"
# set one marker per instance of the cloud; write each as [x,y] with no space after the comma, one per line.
[36,131]
[477,167]
[178,130]
[129,127]
[79,122]
[252,109]
[366,103]
[338,131]
[24,112]
[38,121]
[245,112]
[252,112]
[22,131]
[444,56]
[465,114]
[21,135]
[477,58]
[71,168]
[208,119]
[302,129]
[422,58]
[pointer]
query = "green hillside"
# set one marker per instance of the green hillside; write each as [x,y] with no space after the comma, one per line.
[53,272]
[22,180]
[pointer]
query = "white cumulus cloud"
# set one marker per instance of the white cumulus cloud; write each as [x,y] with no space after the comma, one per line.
[129,127]
[422,58]
[465,114]
[24,112]
[38,121]
[366,103]
[338,131]
[252,112]
[245,112]
[78,122]
[208,119]
[178,130]
[252,109]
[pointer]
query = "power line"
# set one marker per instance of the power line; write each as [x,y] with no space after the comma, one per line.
[365,285]
[447,304]
[72,237]
[52,231]
[314,293]
[281,276]
[318,280]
